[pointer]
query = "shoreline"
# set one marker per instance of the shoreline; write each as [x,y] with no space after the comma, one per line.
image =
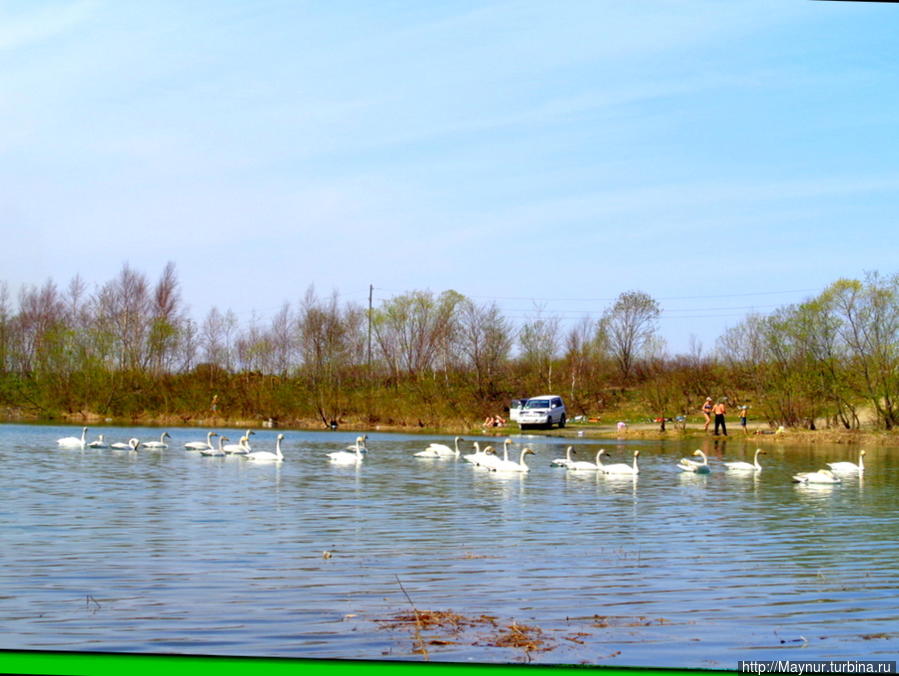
[758,433]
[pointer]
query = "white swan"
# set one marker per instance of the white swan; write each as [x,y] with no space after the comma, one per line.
[621,468]
[583,465]
[240,448]
[120,446]
[100,442]
[217,452]
[512,466]
[73,442]
[491,460]
[687,465]
[201,445]
[268,456]
[488,458]
[740,466]
[563,462]
[844,467]
[822,476]
[359,444]
[473,458]
[441,450]
[158,445]
[347,457]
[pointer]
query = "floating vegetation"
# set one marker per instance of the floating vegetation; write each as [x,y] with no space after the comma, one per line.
[450,628]
[527,638]
[604,621]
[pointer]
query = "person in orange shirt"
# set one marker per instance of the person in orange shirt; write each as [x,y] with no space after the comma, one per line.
[719,410]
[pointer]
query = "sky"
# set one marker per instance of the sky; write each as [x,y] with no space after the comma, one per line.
[723,157]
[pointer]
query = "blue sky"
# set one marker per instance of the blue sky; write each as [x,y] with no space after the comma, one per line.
[723,157]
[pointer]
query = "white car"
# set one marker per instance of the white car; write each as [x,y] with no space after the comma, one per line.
[545,410]
[515,408]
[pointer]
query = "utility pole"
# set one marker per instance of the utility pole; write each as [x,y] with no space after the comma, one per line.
[371,289]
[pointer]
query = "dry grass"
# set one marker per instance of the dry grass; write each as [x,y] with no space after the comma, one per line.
[449,628]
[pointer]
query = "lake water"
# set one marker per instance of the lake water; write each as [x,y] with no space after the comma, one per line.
[171,552]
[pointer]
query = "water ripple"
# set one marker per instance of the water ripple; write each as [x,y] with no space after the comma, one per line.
[175,552]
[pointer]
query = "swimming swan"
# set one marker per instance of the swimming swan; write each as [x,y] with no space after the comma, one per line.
[359,443]
[563,462]
[348,457]
[268,456]
[621,468]
[490,460]
[159,445]
[216,452]
[99,443]
[586,466]
[849,466]
[441,450]
[473,458]
[240,448]
[201,445]
[822,476]
[687,465]
[73,442]
[130,446]
[740,466]
[511,466]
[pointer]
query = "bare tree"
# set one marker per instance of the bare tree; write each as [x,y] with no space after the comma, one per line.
[331,341]
[580,359]
[412,329]
[485,340]
[870,315]
[166,322]
[217,338]
[630,324]
[283,341]
[539,343]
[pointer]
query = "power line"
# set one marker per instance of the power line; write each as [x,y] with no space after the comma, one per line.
[607,299]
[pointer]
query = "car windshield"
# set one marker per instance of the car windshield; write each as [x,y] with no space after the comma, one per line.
[537,403]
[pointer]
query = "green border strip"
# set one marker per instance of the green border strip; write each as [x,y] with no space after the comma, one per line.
[103,664]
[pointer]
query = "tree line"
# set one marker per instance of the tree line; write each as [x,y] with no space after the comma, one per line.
[130,349]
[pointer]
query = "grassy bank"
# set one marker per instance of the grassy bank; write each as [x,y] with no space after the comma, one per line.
[756,432]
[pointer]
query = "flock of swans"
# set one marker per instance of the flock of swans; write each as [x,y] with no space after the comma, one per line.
[821,476]
[487,458]
[242,448]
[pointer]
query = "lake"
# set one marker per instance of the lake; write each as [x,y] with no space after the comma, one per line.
[175,553]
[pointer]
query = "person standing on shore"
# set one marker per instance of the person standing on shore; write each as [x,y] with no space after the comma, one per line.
[707,412]
[719,410]
[743,410]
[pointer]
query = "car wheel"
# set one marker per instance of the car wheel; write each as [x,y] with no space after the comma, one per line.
[562,421]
